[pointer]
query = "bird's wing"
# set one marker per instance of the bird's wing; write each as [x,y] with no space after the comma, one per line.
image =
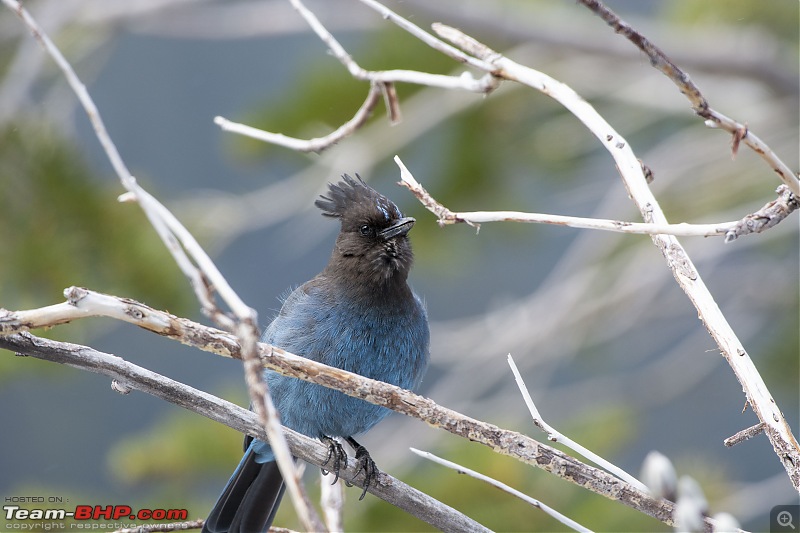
[301,326]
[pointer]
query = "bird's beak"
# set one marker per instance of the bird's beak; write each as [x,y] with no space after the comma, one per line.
[399,228]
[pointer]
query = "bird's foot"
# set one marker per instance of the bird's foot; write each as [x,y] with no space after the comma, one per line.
[365,464]
[337,457]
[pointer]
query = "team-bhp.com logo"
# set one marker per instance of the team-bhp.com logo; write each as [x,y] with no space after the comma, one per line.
[94,512]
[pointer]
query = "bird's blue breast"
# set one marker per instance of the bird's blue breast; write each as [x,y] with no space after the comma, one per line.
[382,340]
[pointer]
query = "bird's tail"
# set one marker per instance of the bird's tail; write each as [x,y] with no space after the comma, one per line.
[250,499]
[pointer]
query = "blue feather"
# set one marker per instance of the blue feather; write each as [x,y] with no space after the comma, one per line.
[358,314]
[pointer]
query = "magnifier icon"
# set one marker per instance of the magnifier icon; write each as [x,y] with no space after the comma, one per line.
[785,519]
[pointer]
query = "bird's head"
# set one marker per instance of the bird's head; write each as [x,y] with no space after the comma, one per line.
[373,244]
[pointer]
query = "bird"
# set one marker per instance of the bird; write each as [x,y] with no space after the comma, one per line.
[358,314]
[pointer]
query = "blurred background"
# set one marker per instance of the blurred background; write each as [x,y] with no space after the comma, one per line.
[610,347]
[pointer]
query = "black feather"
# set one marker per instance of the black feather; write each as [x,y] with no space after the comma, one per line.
[352,197]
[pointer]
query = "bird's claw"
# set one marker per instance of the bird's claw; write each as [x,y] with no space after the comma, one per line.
[366,465]
[337,457]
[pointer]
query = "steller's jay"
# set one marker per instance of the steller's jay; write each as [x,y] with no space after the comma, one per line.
[358,314]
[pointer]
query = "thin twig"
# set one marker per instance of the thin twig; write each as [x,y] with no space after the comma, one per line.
[476,218]
[502,486]
[317,144]
[382,81]
[744,435]
[427,38]
[392,102]
[484,85]
[555,436]
[766,217]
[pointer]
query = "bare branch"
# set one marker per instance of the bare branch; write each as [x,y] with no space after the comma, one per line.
[502,486]
[466,82]
[312,451]
[783,441]
[766,217]
[317,144]
[475,218]
[556,436]
[426,37]
[513,444]
[699,103]
[744,435]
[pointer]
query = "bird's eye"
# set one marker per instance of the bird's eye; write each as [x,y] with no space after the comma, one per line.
[365,230]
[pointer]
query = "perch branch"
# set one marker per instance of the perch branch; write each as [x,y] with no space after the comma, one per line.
[523,448]
[133,376]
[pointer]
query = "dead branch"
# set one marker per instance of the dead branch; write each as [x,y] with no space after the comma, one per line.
[688,88]
[133,376]
[84,303]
